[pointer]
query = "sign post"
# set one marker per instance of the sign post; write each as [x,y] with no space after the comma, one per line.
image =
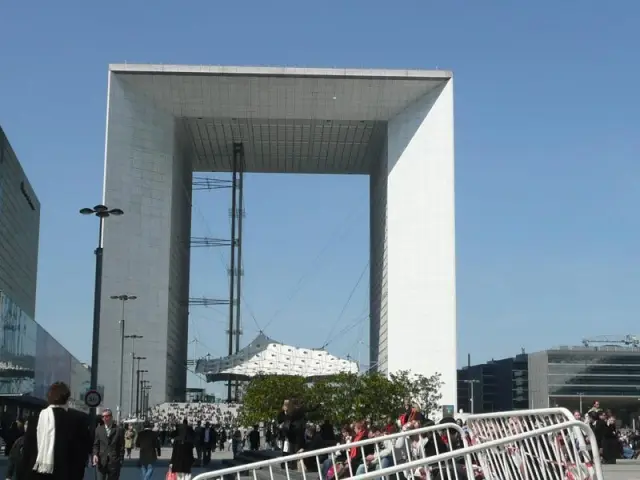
[92,398]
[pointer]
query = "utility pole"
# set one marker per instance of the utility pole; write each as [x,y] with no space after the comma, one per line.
[133,362]
[235,265]
[102,212]
[581,394]
[472,399]
[139,376]
[124,299]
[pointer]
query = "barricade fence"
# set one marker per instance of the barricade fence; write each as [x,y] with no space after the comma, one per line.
[545,444]
[353,459]
[571,449]
[538,467]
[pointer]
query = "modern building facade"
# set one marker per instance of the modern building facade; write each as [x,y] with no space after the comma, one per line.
[574,377]
[166,122]
[30,358]
[569,376]
[495,386]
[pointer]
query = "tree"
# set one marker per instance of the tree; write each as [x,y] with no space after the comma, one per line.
[420,389]
[265,394]
[341,398]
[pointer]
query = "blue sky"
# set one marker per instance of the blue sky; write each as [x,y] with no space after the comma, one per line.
[546,148]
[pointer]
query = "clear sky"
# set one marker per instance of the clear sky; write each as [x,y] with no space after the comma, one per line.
[547,152]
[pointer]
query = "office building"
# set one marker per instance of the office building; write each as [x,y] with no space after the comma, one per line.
[30,358]
[606,369]
[576,376]
[495,386]
[165,122]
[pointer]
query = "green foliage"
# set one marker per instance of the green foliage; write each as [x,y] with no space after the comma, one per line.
[421,390]
[341,398]
[264,395]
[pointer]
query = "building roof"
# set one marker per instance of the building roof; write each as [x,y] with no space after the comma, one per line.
[266,356]
[292,120]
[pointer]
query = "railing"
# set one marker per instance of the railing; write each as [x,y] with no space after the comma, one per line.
[573,449]
[535,467]
[544,444]
[332,462]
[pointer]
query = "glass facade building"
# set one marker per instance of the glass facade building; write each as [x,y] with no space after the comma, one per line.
[574,376]
[498,385]
[30,358]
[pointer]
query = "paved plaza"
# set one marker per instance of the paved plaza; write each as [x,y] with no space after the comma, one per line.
[624,470]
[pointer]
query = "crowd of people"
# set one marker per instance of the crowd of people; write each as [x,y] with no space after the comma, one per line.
[615,440]
[58,444]
[292,433]
[225,414]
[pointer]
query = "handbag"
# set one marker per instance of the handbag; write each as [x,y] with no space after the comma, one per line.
[171,476]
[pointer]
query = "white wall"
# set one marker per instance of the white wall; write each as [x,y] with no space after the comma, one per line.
[378,264]
[538,373]
[144,175]
[420,240]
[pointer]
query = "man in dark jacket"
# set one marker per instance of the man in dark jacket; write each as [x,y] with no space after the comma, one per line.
[149,445]
[108,448]
[15,469]
[80,439]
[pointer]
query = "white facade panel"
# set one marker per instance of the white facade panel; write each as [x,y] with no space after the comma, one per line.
[421,240]
[396,127]
[143,177]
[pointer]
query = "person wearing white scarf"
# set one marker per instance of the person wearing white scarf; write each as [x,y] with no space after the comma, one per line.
[47,450]
[46,435]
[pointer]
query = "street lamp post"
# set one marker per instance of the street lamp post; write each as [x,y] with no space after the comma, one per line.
[472,399]
[133,357]
[581,394]
[124,299]
[102,212]
[147,388]
[139,373]
[144,401]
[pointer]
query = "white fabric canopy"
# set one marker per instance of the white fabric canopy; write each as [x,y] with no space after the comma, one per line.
[266,356]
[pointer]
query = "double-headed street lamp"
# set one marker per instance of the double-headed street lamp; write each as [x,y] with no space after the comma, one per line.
[102,212]
[124,299]
[133,358]
[139,375]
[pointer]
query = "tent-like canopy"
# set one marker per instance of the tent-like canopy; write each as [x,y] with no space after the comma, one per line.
[266,356]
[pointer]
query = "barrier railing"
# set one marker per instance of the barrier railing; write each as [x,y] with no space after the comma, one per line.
[572,449]
[538,467]
[520,445]
[353,459]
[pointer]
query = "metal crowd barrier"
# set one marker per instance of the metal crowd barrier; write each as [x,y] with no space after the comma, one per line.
[335,463]
[570,453]
[538,467]
[545,444]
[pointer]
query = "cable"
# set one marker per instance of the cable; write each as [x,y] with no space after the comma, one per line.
[222,261]
[344,307]
[312,267]
[346,329]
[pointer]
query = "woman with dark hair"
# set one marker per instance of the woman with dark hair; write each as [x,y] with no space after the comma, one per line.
[182,453]
[47,449]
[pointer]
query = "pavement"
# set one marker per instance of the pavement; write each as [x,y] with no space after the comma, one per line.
[623,470]
[130,469]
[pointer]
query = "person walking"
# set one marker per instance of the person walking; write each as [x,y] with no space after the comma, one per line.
[182,453]
[149,444]
[50,451]
[129,439]
[15,467]
[108,448]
